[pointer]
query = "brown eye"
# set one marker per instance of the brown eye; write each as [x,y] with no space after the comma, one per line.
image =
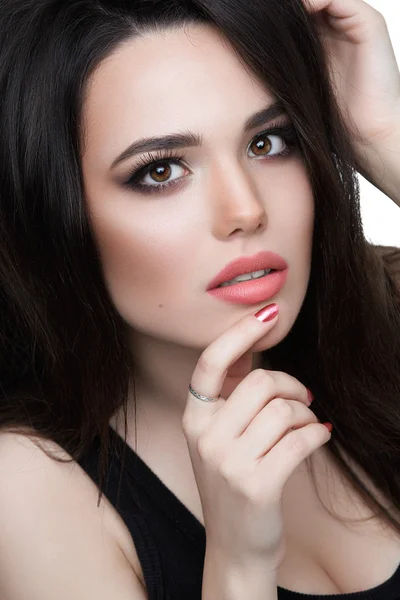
[262,145]
[160,173]
[275,143]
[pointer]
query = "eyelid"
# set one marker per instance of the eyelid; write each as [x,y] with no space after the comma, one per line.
[138,172]
[278,128]
[157,156]
[163,155]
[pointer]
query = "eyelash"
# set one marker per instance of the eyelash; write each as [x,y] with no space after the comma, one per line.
[151,160]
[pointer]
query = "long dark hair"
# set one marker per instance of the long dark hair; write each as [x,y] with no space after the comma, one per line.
[65,366]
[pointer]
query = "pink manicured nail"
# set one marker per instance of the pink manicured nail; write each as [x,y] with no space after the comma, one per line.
[328,425]
[267,313]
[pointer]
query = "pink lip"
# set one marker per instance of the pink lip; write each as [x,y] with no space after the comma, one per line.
[248,264]
[252,291]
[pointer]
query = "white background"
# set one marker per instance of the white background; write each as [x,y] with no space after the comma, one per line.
[380,215]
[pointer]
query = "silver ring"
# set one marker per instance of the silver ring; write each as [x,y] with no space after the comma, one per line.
[200,397]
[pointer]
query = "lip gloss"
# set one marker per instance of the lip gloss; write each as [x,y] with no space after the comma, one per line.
[252,291]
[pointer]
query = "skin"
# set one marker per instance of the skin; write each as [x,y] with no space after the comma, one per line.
[159,251]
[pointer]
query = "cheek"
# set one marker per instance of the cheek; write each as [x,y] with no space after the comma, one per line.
[293,215]
[298,223]
[141,255]
[291,221]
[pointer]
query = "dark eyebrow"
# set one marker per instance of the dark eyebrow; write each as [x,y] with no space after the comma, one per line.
[191,140]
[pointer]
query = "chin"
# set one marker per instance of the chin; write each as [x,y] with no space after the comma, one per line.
[276,334]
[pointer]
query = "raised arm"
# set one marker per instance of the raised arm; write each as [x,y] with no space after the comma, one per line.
[381,166]
[366,79]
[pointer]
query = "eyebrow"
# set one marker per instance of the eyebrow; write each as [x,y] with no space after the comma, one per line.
[190,140]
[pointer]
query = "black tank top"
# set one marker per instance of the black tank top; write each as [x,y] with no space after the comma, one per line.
[170,541]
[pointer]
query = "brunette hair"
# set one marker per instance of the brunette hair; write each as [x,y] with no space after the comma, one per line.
[65,365]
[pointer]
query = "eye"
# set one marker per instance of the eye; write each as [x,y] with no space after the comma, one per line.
[267,145]
[275,143]
[162,172]
[156,172]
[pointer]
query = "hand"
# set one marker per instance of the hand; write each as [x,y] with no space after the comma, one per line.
[243,449]
[363,68]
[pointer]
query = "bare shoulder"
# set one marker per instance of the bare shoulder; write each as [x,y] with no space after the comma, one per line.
[55,541]
[391,257]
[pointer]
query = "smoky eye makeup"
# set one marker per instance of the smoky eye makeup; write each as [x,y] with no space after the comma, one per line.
[157,167]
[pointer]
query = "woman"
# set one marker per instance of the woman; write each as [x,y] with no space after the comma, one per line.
[144,146]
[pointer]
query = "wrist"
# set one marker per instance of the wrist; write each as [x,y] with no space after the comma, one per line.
[379,163]
[226,578]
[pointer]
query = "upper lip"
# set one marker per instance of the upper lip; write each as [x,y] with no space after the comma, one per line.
[248,264]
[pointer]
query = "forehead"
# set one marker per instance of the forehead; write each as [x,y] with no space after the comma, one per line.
[167,81]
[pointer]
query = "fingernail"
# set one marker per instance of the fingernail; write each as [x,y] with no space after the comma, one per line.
[328,425]
[310,396]
[267,313]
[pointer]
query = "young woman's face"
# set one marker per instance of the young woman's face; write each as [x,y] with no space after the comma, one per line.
[237,193]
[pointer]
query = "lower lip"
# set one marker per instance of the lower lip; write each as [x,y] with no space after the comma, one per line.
[253,290]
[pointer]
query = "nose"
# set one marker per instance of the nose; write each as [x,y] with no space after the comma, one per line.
[235,204]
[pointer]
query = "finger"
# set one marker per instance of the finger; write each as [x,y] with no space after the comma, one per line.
[274,468]
[342,8]
[210,371]
[270,426]
[250,397]
[356,19]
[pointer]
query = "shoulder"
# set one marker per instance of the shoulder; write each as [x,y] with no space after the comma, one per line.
[390,256]
[25,466]
[53,533]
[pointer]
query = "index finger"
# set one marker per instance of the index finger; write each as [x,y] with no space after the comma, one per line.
[211,369]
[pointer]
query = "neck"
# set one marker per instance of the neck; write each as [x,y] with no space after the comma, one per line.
[163,371]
